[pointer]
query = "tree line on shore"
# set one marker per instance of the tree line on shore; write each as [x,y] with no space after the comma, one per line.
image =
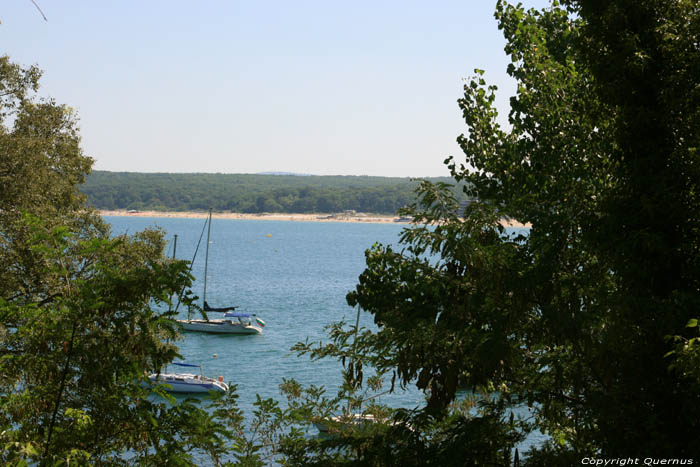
[251,193]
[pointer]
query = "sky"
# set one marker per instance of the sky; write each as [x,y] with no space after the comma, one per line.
[313,87]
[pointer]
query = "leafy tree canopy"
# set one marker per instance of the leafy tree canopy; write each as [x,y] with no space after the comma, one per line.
[79,311]
[572,319]
[589,319]
[249,193]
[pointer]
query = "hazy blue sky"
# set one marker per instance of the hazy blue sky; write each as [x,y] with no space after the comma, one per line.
[321,87]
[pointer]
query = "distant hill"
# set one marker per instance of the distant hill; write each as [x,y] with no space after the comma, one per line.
[250,193]
[284,173]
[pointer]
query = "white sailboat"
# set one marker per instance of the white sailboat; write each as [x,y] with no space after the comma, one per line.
[232,323]
[243,324]
[349,419]
[188,382]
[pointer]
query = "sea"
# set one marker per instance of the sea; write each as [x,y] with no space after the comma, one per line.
[295,276]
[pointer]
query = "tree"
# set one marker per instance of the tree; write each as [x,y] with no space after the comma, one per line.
[572,319]
[83,315]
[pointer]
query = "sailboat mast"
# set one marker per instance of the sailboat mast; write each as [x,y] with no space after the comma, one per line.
[170,306]
[354,342]
[206,261]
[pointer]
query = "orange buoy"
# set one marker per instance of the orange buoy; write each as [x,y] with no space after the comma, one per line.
[221,379]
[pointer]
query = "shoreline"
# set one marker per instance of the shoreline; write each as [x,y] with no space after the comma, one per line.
[295,217]
[358,217]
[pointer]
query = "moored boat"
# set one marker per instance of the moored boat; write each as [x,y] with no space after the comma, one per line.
[188,382]
[243,324]
[324,425]
[232,322]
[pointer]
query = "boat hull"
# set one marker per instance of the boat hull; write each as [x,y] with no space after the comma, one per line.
[218,326]
[354,419]
[188,383]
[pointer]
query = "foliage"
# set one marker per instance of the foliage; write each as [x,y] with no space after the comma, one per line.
[572,318]
[248,193]
[83,315]
[368,433]
[588,319]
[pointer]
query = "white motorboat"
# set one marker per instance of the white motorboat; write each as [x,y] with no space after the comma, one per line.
[188,382]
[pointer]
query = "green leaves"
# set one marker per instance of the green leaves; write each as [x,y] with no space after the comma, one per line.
[249,193]
[570,317]
[82,314]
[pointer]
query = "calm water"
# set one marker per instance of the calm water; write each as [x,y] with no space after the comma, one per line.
[295,276]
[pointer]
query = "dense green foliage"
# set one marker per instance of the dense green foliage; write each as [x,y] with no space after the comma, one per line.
[248,193]
[590,319]
[82,315]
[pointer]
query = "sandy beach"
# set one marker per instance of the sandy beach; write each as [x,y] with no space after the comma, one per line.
[357,217]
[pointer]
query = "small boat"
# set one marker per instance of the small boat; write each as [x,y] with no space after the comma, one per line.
[340,423]
[354,419]
[244,323]
[188,382]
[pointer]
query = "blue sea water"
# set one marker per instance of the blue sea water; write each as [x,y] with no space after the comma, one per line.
[293,275]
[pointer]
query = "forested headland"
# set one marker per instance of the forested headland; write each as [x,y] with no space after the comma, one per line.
[251,193]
